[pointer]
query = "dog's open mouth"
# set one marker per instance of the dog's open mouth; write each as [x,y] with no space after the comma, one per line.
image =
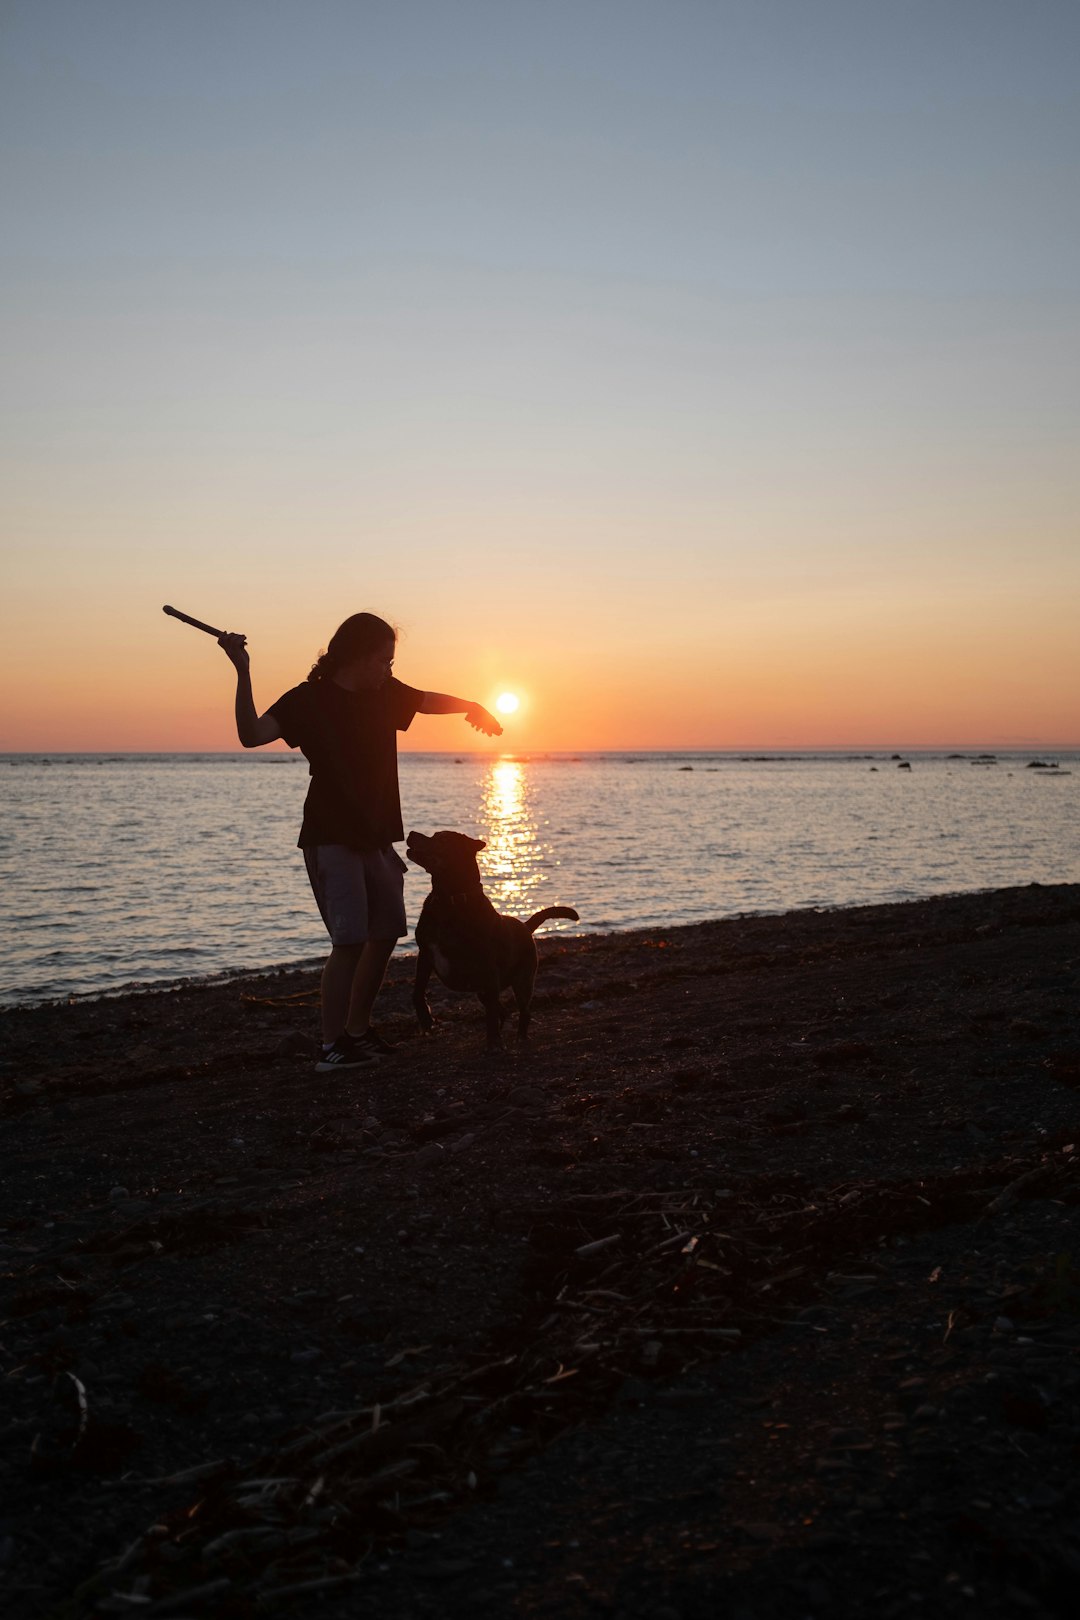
[414,850]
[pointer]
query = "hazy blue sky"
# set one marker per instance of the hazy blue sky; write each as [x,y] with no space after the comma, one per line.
[707,371]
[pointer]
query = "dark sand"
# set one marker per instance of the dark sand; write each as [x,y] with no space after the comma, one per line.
[823,1359]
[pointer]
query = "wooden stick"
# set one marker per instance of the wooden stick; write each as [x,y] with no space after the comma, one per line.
[175,613]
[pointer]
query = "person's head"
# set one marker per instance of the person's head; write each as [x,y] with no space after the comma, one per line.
[360,654]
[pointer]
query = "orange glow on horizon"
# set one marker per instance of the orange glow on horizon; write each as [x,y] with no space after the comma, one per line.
[767,676]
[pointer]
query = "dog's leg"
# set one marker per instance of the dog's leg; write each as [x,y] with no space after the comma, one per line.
[494,1022]
[522,986]
[424,967]
[488,992]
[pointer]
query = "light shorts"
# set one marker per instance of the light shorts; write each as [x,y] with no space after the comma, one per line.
[360,894]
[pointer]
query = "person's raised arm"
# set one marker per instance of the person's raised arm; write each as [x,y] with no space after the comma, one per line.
[252,729]
[475,713]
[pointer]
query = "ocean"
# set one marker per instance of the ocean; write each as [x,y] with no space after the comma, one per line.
[122,871]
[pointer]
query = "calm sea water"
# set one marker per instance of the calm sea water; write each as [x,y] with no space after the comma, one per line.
[141,869]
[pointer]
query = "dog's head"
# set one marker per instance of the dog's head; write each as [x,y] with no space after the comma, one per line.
[449,856]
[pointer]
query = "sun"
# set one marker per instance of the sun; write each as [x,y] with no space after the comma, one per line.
[507,702]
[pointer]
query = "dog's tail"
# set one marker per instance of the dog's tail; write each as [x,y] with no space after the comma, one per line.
[551,911]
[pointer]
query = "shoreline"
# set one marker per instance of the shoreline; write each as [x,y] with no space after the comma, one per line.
[405,951]
[749,1286]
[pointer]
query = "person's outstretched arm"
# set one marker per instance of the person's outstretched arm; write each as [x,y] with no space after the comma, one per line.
[475,713]
[252,729]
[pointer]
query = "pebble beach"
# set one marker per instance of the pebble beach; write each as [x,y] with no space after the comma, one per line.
[750,1286]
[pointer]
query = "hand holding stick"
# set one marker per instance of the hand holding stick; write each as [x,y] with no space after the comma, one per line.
[231,642]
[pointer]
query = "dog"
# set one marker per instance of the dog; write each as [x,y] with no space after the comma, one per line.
[464,940]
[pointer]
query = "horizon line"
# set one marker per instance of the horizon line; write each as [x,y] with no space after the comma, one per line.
[761,749]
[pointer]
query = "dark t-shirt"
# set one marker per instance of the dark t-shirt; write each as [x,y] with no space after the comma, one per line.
[350,742]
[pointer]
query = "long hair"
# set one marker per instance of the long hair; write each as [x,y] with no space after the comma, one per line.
[362,633]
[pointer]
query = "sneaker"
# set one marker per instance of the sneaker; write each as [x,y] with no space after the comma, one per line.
[372,1043]
[346,1053]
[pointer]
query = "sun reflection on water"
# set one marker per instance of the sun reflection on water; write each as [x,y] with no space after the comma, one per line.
[512,861]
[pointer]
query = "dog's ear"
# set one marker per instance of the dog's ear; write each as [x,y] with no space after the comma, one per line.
[478,843]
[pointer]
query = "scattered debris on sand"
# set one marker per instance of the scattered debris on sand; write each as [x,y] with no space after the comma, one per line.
[751,1286]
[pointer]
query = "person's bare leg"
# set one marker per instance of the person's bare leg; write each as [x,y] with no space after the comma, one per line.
[370,971]
[339,972]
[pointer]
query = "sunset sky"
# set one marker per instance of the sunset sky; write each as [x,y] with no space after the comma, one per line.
[705,372]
